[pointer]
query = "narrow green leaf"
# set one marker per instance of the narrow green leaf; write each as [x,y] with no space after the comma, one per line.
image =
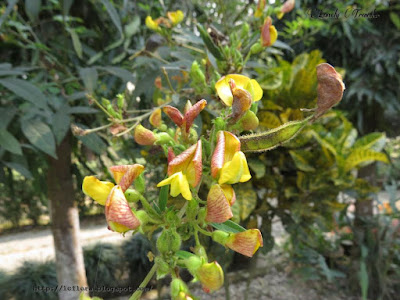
[25,90]
[89,77]
[82,110]
[76,42]
[6,115]
[60,124]
[7,11]
[228,226]
[395,19]
[40,135]
[113,15]
[32,8]
[66,6]
[125,75]
[163,197]
[9,142]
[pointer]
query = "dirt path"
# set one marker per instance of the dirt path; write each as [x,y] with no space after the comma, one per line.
[37,244]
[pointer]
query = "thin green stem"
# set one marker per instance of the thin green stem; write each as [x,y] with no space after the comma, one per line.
[87,131]
[168,81]
[91,97]
[182,211]
[190,47]
[196,237]
[205,232]
[136,295]
[156,57]
[147,205]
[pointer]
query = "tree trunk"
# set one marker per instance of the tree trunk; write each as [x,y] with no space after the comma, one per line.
[70,267]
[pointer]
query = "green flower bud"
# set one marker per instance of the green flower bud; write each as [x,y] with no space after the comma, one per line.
[219,124]
[245,31]
[142,216]
[169,241]
[120,100]
[177,288]
[163,268]
[201,216]
[163,138]
[256,48]
[132,195]
[163,128]
[193,263]
[171,132]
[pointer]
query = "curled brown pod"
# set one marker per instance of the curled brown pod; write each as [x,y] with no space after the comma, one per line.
[330,88]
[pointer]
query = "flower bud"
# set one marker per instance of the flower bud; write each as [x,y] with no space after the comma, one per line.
[256,48]
[260,8]
[169,241]
[163,138]
[240,105]
[144,136]
[268,33]
[155,118]
[193,263]
[179,290]
[249,121]
[132,195]
[163,268]
[142,216]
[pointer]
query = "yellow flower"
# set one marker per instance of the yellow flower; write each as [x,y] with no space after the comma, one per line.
[179,185]
[228,163]
[99,191]
[224,90]
[175,17]
[152,24]
[96,189]
[184,170]
[260,7]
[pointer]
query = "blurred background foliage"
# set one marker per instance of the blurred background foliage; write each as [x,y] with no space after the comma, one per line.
[54,53]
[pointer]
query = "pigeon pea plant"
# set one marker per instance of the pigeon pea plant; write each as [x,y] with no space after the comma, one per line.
[214,161]
[218,158]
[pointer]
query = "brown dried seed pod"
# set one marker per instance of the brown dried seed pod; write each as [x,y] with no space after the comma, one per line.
[330,88]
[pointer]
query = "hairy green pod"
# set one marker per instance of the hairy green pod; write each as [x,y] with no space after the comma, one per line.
[273,138]
[214,49]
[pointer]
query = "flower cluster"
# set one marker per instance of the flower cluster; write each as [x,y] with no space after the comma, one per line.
[173,19]
[187,166]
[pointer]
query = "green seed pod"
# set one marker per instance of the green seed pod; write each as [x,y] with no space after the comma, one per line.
[132,195]
[273,138]
[169,241]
